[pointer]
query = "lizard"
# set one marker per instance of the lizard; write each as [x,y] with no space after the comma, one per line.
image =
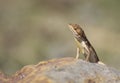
[83,44]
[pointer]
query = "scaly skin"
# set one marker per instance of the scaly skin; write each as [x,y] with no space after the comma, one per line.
[83,45]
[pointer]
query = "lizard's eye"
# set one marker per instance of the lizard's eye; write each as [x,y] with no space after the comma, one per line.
[75,28]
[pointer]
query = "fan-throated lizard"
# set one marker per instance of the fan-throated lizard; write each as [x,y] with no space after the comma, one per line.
[83,45]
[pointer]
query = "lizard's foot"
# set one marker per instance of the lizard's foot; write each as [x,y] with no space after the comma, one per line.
[78,53]
[101,63]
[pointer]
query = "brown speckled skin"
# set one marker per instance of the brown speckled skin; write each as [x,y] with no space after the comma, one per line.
[80,36]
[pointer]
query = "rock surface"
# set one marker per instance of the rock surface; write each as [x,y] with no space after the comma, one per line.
[64,70]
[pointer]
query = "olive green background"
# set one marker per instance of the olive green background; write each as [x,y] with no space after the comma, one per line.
[37,30]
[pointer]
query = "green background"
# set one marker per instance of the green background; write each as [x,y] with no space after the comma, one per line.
[37,30]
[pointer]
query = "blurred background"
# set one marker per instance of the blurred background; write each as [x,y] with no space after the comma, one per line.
[35,30]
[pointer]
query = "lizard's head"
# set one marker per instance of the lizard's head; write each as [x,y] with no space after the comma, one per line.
[76,29]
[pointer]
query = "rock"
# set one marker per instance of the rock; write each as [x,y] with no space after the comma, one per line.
[65,70]
[3,78]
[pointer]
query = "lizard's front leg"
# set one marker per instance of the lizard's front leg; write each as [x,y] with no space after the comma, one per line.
[78,53]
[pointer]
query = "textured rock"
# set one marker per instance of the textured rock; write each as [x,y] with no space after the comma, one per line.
[65,70]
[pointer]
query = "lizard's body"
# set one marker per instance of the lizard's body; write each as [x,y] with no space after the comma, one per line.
[83,45]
